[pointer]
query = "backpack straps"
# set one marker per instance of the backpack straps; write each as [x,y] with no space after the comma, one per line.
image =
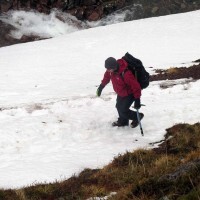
[122,74]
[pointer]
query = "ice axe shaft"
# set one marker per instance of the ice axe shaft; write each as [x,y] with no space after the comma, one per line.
[140,104]
[138,118]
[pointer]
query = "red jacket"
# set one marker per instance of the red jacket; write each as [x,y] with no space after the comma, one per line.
[123,86]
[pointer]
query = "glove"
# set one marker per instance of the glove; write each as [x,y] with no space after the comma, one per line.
[99,90]
[137,104]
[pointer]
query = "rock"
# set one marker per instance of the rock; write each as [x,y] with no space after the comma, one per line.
[25,38]
[43,2]
[5,5]
[99,9]
[94,16]
[93,10]
[5,38]
[164,11]
[154,10]
[23,4]
[174,8]
[59,4]
[183,6]
[120,4]
[72,11]
[80,13]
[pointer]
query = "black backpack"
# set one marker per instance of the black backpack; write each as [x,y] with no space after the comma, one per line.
[136,67]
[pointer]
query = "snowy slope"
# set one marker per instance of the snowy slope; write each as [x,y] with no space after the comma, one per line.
[52,125]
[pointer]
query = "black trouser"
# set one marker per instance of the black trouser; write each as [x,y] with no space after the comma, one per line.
[125,114]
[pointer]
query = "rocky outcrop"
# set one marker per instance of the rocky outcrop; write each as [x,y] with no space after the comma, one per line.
[93,10]
[6,39]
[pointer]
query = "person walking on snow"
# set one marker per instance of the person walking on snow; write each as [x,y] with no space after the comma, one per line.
[127,88]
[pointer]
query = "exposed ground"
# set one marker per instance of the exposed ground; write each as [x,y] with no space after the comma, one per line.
[175,73]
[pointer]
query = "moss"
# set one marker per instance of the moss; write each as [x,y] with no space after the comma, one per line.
[172,70]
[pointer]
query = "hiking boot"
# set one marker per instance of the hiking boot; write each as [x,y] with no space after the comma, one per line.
[119,124]
[135,122]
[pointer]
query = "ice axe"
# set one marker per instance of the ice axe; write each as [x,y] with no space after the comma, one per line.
[138,118]
[139,121]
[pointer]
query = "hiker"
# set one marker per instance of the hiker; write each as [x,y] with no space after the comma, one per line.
[127,88]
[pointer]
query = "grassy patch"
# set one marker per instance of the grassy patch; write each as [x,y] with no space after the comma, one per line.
[171,171]
[175,73]
[172,70]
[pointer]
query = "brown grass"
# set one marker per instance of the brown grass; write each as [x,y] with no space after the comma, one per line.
[172,70]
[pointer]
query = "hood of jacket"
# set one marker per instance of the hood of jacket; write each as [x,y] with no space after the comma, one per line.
[122,65]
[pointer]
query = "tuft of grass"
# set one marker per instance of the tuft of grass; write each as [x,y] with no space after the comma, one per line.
[8,195]
[172,70]
[21,195]
[185,138]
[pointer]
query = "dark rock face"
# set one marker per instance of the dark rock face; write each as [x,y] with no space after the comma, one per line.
[93,10]
[5,38]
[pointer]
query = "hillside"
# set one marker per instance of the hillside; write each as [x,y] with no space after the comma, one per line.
[52,123]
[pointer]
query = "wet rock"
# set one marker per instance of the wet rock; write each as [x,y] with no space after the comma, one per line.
[25,38]
[80,13]
[94,16]
[23,4]
[72,12]
[120,4]
[183,6]
[93,10]
[59,4]
[89,2]
[164,11]
[154,10]
[5,5]
[80,7]
[5,38]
